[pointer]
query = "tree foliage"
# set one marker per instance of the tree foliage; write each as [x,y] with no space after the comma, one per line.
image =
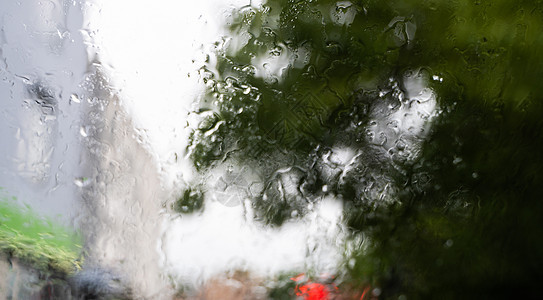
[463,206]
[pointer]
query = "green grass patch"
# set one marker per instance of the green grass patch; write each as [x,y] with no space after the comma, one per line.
[37,240]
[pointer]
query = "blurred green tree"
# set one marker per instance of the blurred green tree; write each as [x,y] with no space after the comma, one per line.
[297,78]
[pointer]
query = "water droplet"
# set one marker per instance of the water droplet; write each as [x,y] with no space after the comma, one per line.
[75,98]
[81,181]
[83,131]
[457,160]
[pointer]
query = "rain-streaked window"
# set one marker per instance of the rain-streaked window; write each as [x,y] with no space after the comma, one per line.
[271,149]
